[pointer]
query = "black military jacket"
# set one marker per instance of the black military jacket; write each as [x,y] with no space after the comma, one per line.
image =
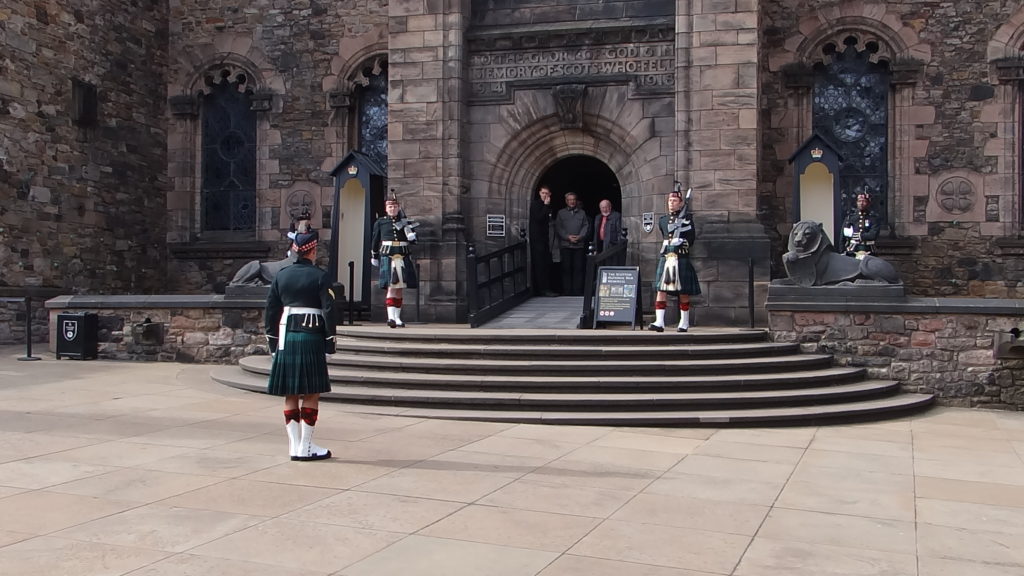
[385,229]
[301,284]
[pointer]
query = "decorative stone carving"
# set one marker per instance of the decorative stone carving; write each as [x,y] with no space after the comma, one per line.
[956,195]
[569,105]
[813,261]
[256,273]
[300,203]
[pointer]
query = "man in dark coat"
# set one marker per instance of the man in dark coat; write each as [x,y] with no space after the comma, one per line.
[675,273]
[608,230]
[542,216]
[300,325]
[389,249]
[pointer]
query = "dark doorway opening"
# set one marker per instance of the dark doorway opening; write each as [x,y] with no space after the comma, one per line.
[592,181]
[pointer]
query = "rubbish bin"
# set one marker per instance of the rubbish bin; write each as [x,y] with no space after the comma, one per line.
[77,336]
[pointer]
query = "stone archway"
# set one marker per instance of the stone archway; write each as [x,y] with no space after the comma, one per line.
[535,149]
[591,179]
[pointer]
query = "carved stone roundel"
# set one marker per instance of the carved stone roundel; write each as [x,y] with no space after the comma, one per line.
[298,203]
[956,195]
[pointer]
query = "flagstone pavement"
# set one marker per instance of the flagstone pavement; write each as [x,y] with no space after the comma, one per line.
[152,469]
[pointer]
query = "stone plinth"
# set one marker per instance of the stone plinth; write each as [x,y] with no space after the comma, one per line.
[942,346]
[207,329]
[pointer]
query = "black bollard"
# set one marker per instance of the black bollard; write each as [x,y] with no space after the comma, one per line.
[351,288]
[28,332]
[750,289]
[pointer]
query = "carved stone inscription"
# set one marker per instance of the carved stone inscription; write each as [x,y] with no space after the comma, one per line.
[648,67]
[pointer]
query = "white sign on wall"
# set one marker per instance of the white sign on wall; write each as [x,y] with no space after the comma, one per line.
[495,224]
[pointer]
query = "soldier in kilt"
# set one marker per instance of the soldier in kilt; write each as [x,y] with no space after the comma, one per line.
[301,326]
[675,273]
[390,240]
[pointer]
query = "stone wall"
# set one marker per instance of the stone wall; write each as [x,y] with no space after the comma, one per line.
[945,353]
[954,188]
[83,194]
[511,12]
[304,59]
[190,329]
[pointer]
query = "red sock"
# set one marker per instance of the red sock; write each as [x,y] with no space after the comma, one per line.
[309,416]
[290,415]
[660,304]
[398,302]
[684,306]
[389,302]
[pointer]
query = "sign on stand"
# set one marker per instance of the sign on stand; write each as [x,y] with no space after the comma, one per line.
[617,296]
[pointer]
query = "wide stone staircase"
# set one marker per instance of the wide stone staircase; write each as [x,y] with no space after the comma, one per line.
[709,376]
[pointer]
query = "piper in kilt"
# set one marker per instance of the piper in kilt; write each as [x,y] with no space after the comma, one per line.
[675,273]
[390,240]
[300,325]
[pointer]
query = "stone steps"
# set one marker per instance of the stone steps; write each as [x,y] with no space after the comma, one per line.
[595,378]
[603,377]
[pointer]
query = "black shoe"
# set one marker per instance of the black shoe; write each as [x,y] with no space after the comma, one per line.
[313,457]
[397,325]
[656,328]
[392,324]
[681,329]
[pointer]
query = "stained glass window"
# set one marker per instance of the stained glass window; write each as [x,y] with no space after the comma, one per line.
[228,155]
[373,113]
[851,107]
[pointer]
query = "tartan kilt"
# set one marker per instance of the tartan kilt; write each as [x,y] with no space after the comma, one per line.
[411,281]
[688,283]
[301,368]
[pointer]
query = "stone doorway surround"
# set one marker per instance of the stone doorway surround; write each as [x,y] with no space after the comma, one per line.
[513,145]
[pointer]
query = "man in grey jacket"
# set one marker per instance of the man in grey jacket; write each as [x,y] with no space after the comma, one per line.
[572,226]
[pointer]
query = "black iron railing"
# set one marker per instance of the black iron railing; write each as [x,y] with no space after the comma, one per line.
[496,282]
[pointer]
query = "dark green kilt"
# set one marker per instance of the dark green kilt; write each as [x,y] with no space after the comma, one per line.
[411,281]
[687,282]
[301,368]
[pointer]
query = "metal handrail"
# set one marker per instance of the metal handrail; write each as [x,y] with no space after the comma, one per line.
[500,286]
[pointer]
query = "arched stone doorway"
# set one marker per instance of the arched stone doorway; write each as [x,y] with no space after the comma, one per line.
[591,179]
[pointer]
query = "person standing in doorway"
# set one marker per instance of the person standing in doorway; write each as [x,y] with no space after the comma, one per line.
[300,326]
[542,216]
[861,228]
[572,226]
[391,237]
[675,273]
[608,230]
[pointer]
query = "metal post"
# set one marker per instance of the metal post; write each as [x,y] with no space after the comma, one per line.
[750,289]
[28,332]
[418,279]
[351,288]
[471,284]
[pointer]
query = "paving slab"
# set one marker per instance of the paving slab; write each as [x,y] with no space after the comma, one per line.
[143,469]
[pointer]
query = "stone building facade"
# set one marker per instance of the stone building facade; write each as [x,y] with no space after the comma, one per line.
[218,122]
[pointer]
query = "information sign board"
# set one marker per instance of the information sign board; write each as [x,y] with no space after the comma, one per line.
[618,295]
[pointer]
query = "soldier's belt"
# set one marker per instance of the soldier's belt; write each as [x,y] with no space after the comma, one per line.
[393,243]
[309,317]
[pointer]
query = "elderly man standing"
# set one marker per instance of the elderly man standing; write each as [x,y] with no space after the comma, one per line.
[572,226]
[608,231]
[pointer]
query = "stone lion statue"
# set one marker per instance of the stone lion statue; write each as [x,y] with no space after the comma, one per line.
[813,261]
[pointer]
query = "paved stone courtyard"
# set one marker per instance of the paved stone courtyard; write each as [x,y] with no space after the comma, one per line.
[111,468]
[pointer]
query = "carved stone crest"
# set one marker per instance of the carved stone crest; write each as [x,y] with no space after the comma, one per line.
[569,104]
